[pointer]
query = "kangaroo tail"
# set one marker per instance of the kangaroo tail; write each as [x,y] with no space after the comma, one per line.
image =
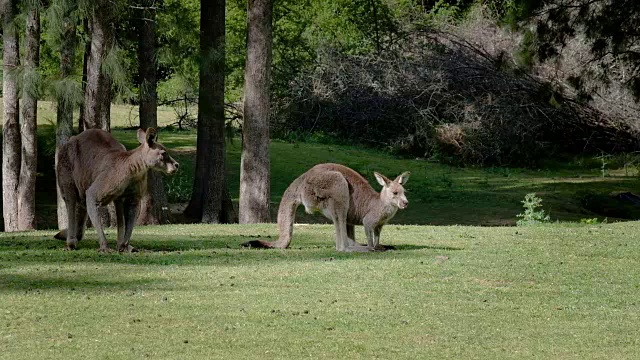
[286,217]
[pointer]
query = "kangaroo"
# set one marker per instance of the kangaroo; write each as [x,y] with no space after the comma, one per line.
[94,169]
[346,198]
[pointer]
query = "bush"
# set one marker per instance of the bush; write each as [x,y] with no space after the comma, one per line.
[437,95]
[531,215]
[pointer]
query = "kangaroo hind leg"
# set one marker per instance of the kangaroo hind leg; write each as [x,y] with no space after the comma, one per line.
[351,234]
[336,207]
[93,203]
[71,202]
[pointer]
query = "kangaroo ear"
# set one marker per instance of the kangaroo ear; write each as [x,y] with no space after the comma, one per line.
[382,180]
[151,136]
[403,178]
[141,134]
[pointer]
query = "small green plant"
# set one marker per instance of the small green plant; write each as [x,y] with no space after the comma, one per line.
[446,181]
[592,221]
[532,215]
[603,163]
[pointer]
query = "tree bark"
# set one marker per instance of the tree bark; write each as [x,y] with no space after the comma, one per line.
[210,201]
[64,111]
[29,156]
[154,207]
[85,63]
[97,96]
[255,165]
[11,148]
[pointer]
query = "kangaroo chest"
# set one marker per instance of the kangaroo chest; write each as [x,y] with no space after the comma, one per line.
[129,187]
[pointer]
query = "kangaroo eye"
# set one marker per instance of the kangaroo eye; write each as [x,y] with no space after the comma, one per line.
[395,193]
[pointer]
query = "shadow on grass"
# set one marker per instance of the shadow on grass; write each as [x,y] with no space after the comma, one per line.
[47,281]
[409,247]
[216,251]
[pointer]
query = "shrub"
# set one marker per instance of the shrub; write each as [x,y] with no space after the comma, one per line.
[532,215]
[438,95]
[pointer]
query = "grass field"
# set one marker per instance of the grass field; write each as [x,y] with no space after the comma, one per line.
[122,115]
[452,289]
[558,291]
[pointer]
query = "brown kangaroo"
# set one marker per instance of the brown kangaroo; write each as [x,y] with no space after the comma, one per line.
[346,198]
[94,169]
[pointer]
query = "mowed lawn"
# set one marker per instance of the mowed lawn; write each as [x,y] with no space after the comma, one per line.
[560,291]
[452,289]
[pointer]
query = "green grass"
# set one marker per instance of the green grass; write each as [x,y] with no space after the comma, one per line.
[560,291]
[438,194]
[122,115]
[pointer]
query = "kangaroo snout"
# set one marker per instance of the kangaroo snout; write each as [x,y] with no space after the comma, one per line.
[173,168]
[403,204]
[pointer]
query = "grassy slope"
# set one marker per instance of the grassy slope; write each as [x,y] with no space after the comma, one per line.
[122,115]
[553,292]
[438,194]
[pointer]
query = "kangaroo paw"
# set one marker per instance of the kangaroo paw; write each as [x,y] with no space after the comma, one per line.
[69,248]
[105,250]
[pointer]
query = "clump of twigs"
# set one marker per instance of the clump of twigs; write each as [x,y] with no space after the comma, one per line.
[439,96]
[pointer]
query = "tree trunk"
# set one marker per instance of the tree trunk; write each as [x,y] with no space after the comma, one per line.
[29,158]
[97,96]
[255,164]
[210,201]
[64,111]
[154,207]
[85,62]
[11,148]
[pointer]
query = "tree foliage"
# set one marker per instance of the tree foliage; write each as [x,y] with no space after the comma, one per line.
[609,26]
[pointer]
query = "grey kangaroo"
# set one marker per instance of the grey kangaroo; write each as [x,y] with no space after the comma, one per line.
[93,169]
[346,198]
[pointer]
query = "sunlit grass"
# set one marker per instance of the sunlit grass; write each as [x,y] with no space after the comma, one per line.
[122,115]
[551,292]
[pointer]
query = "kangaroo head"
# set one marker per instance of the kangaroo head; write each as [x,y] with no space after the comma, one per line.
[155,154]
[393,191]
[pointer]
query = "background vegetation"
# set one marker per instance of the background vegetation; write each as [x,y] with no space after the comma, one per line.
[460,83]
[464,82]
